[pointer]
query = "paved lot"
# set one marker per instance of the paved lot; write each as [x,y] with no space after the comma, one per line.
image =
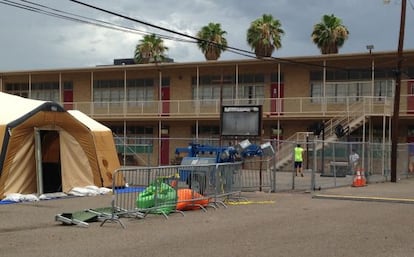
[271,224]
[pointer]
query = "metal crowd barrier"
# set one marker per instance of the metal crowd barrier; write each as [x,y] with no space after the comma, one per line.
[257,174]
[139,191]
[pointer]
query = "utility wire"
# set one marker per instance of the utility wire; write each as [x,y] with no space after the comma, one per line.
[229,48]
[37,8]
[82,19]
[235,50]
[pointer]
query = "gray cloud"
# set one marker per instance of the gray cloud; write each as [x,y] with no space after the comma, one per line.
[34,41]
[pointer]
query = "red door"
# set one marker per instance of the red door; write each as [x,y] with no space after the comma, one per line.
[68,99]
[276,95]
[165,98]
[165,150]
[410,97]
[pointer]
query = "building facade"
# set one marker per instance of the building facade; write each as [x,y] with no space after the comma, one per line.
[155,108]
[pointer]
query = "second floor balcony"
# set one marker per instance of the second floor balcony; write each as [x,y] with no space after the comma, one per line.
[301,107]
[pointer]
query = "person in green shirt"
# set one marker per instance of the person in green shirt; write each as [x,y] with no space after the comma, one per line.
[298,152]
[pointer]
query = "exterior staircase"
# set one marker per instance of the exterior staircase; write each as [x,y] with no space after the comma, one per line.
[350,120]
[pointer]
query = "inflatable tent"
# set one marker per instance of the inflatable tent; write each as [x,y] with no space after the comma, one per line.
[46,149]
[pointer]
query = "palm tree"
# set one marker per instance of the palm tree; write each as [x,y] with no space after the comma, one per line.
[329,35]
[264,35]
[150,49]
[212,41]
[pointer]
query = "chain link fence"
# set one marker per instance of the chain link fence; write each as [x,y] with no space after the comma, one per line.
[325,164]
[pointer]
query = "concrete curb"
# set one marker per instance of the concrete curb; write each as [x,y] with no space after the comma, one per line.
[364,198]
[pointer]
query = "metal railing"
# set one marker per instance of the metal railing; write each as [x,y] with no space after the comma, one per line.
[272,107]
[354,116]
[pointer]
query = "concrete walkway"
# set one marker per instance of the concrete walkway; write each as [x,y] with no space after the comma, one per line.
[401,191]
[283,224]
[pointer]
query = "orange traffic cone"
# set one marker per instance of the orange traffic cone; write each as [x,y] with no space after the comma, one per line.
[359,179]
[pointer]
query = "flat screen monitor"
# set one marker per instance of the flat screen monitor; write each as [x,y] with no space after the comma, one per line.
[243,120]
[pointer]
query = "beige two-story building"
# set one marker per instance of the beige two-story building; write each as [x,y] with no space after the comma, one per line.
[154,108]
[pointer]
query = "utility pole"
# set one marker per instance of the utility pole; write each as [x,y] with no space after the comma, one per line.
[396,112]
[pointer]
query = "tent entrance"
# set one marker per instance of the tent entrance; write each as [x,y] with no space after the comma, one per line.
[48,164]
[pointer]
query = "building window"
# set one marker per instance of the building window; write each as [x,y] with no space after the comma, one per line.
[207,135]
[140,90]
[352,91]
[68,85]
[316,92]
[20,89]
[210,87]
[251,88]
[108,91]
[139,139]
[383,89]
[48,91]
[274,77]
[112,91]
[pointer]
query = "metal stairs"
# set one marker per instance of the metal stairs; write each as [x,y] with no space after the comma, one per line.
[350,120]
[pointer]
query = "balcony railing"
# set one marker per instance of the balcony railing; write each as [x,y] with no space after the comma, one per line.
[287,107]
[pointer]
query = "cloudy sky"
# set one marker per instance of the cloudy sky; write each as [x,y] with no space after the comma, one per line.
[31,40]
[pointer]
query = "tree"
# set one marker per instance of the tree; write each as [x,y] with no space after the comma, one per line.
[150,49]
[212,41]
[264,35]
[330,34]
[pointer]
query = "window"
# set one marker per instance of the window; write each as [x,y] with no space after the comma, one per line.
[68,85]
[20,89]
[138,139]
[340,92]
[251,88]
[274,77]
[112,91]
[208,135]
[108,91]
[251,78]
[140,90]
[210,88]
[47,91]
[382,89]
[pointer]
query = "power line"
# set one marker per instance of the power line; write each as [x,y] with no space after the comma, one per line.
[229,48]
[235,50]
[37,8]
[45,10]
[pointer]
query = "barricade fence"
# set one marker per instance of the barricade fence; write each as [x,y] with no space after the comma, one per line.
[139,191]
[327,164]
[257,174]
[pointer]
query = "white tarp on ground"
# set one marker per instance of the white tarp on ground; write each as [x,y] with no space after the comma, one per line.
[76,191]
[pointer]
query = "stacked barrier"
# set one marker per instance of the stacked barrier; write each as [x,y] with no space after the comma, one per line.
[139,191]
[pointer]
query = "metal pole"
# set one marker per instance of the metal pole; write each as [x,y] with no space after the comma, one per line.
[38,156]
[395,117]
[307,151]
[323,150]
[125,142]
[315,165]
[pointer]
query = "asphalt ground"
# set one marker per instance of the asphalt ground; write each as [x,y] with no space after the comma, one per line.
[375,220]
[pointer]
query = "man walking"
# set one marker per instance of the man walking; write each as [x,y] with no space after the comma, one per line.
[354,160]
[298,152]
